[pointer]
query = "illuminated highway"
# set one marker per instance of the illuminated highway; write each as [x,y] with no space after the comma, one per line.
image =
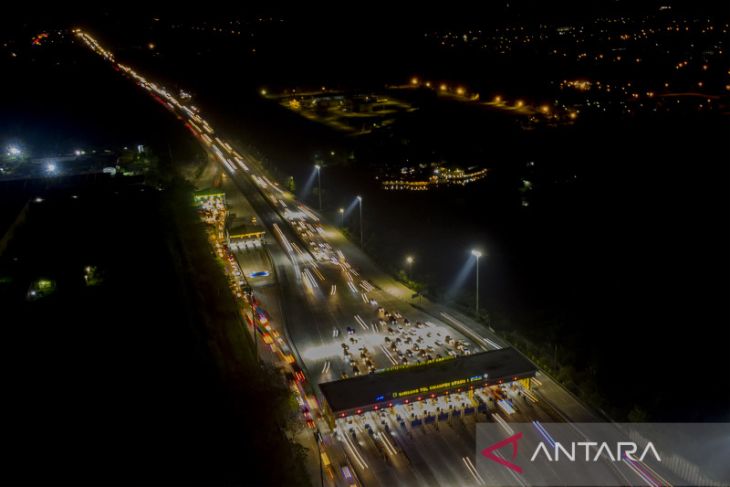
[343,316]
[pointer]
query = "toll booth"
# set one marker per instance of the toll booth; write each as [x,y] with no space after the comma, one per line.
[416,382]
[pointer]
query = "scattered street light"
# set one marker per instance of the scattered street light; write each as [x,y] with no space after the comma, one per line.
[477,254]
[319,184]
[342,217]
[359,200]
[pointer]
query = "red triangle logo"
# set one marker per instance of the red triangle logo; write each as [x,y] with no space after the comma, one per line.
[489,452]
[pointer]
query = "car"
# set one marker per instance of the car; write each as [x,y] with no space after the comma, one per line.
[350,330]
[373,302]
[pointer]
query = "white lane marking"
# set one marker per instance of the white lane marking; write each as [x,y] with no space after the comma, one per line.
[353,449]
[326,367]
[388,355]
[333,289]
[361,322]
[473,471]
[391,449]
[498,419]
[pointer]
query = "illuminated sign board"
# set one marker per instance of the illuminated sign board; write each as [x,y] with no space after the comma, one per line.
[443,385]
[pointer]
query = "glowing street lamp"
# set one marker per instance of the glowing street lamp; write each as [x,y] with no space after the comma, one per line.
[14,151]
[342,216]
[477,254]
[409,261]
[359,200]
[319,184]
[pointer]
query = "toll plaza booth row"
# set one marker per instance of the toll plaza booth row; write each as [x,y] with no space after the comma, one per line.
[414,382]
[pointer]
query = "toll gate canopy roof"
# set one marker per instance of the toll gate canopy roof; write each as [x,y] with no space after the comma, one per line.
[493,366]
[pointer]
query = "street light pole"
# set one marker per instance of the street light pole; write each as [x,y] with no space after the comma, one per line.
[342,217]
[319,184]
[359,199]
[253,322]
[477,254]
[409,261]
